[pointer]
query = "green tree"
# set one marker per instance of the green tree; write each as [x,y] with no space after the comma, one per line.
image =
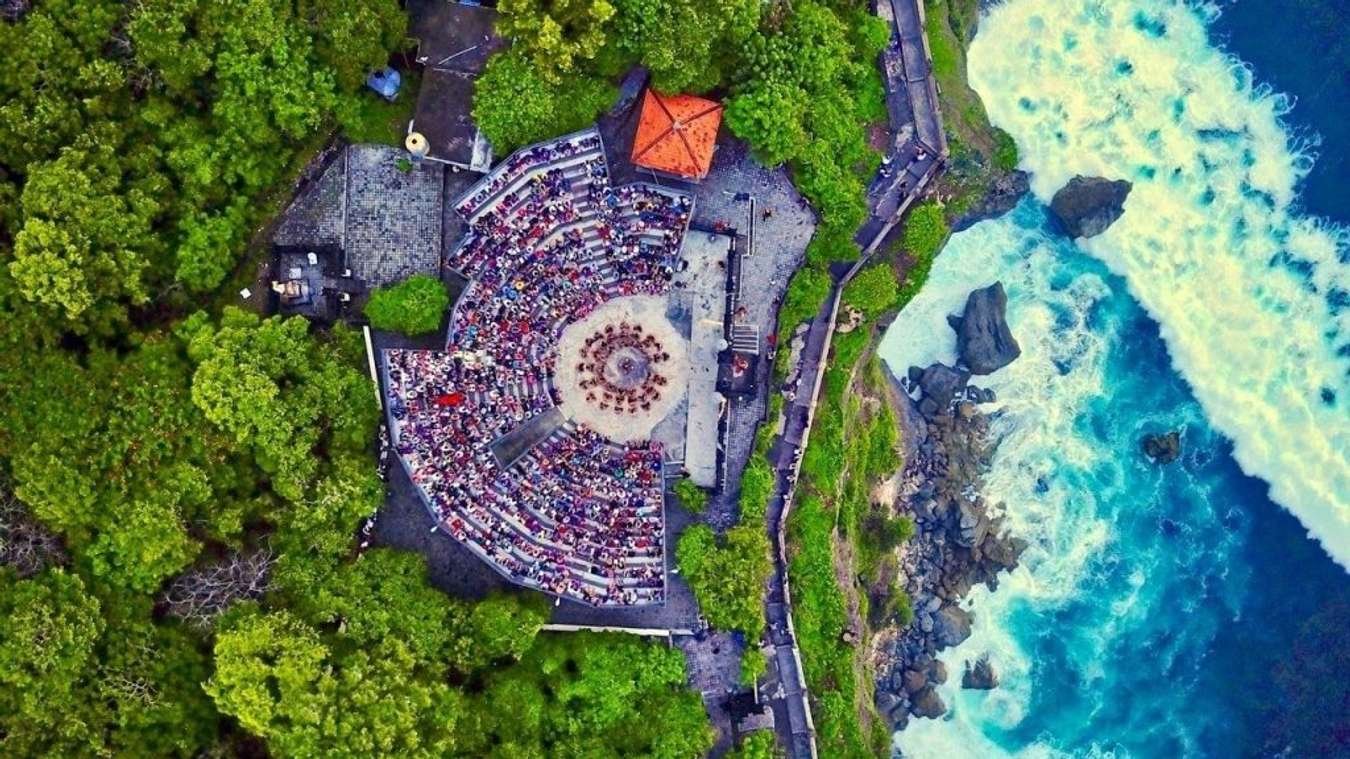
[502,626]
[692,497]
[54,84]
[279,678]
[354,39]
[273,388]
[556,35]
[589,695]
[728,579]
[415,306]
[87,235]
[685,43]
[47,655]
[515,105]
[386,595]
[770,115]
[114,455]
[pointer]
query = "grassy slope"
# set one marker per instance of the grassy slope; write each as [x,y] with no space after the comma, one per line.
[836,565]
[852,446]
[980,152]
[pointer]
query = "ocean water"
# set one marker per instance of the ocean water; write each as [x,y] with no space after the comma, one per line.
[1197,609]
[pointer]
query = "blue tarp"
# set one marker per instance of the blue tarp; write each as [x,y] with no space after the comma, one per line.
[385,82]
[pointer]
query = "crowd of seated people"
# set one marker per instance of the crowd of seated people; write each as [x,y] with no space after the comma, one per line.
[619,368]
[548,241]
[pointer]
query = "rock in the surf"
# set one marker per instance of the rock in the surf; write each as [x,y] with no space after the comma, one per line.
[1086,206]
[1162,449]
[980,676]
[983,340]
[941,383]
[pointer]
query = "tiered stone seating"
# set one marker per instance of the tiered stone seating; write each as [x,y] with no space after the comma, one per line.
[549,241]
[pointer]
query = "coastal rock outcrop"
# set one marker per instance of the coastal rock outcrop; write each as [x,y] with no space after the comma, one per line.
[1086,206]
[1162,449]
[927,703]
[983,340]
[1003,196]
[951,626]
[980,676]
[959,539]
[942,384]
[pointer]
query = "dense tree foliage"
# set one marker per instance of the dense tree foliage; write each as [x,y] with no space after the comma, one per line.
[312,697]
[555,35]
[141,138]
[728,576]
[514,104]
[588,695]
[683,42]
[415,306]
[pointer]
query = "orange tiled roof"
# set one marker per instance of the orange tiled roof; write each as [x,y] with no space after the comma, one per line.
[676,133]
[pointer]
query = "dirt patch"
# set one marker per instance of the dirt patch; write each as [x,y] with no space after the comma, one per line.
[843,577]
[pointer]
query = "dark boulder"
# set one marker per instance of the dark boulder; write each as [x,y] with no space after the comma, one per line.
[951,625]
[927,703]
[942,383]
[887,703]
[1086,206]
[981,676]
[983,340]
[937,672]
[914,680]
[1162,449]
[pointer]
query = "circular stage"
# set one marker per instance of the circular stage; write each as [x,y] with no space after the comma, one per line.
[623,368]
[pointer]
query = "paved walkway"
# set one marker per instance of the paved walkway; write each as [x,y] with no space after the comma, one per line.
[919,148]
[918,143]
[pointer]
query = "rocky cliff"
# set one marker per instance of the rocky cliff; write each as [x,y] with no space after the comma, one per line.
[959,540]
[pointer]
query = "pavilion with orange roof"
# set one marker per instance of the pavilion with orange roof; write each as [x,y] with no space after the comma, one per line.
[677,134]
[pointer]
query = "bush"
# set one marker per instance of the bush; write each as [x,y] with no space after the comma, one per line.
[758,745]
[925,231]
[901,608]
[728,579]
[808,289]
[885,532]
[873,290]
[753,665]
[414,306]
[692,497]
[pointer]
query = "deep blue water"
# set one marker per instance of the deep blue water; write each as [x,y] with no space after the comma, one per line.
[1301,48]
[1170,611]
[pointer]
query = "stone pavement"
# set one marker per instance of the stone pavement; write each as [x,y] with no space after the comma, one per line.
[778,250]
[393,217]
[387,222]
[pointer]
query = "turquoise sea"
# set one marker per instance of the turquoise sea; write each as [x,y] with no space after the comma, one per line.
[1200,609]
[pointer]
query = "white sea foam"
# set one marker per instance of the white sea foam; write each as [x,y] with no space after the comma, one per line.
[1210,243]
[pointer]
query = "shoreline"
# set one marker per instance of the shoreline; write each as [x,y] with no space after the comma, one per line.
[959,541]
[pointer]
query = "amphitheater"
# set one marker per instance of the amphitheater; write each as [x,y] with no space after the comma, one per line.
[578,373]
